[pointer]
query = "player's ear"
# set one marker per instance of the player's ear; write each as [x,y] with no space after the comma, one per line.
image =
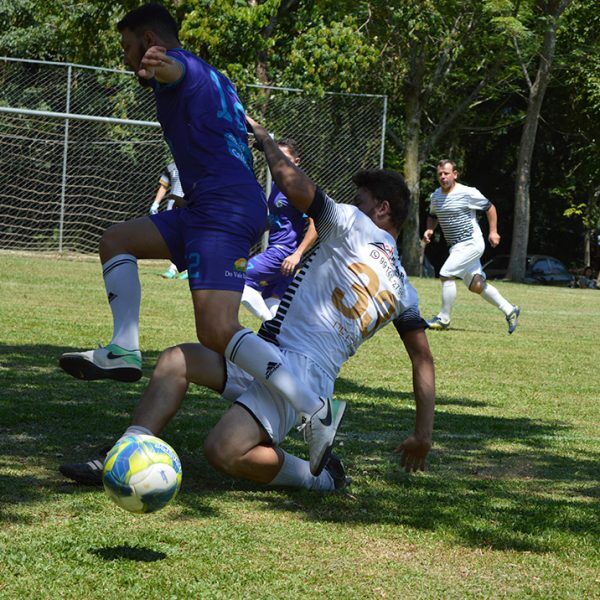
[149,38]
[384,208]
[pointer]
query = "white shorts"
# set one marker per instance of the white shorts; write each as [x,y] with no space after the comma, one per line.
[272,411]
[464,259]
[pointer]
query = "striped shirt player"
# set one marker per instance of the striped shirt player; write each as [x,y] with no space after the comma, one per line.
[454,206]
[169,183]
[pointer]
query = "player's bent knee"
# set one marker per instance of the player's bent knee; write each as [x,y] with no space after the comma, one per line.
[477,284]
[215,334]
[171,361]
[112,242]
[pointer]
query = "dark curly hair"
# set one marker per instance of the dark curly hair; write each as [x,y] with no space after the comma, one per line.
[291,145]
[152,16]
[386,185]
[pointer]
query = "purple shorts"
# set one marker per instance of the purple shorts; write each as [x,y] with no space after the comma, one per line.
[264,272]
[214,251]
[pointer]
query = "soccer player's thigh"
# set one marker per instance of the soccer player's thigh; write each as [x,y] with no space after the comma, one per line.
[236,433]
[140,237]
[461,260]
[216,264]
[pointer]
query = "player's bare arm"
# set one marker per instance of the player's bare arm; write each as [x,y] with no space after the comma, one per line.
[289,264]
[294,184]
[492,217]
[158,64]
[414,449]
[430,228]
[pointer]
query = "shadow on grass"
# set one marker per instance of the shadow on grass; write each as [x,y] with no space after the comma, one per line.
[502,483]
[132,553]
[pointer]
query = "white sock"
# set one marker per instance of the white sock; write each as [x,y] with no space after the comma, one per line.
[493,296]
[263,362]
[273,305]
[137,430]
[124,296]
[172,268]
[448,299]
[295,472]
[252,299]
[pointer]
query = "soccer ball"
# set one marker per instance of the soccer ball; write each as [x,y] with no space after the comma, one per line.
[142,473]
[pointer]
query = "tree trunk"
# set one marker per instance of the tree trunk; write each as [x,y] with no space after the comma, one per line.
[411,248]
[520,240]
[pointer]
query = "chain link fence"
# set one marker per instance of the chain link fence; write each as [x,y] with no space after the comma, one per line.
[80,149]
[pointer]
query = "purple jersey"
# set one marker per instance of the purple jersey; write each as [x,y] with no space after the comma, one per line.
[204,124]
[286,223]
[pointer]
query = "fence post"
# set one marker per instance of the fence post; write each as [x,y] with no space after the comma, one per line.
[383,126]
[63,190]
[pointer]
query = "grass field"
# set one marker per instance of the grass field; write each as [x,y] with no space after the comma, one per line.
[508,509]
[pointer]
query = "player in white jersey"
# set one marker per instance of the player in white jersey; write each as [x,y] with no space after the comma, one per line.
[454,207]
[169,182]
[351,285]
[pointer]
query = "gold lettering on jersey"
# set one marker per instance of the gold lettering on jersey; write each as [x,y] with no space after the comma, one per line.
[366,292]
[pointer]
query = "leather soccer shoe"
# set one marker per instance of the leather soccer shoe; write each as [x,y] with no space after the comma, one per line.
[320,431]
[437,323]
[110,362]
[513,318]
[88,473]
[335,468]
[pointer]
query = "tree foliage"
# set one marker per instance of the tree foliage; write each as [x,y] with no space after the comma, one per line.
[455,72]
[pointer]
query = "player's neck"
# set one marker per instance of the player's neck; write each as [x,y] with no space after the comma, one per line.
[449,189]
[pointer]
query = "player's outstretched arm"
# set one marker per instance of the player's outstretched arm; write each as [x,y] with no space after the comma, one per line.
[160,194]
[492,217]
[293,183]
[414,449]
[158,64]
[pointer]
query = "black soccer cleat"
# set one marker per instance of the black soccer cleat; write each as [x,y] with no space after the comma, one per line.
[336,469]
[88,473]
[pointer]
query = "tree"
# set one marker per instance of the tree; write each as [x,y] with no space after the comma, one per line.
[437,59]
[550,12]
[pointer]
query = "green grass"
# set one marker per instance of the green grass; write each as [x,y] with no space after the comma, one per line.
[508,509]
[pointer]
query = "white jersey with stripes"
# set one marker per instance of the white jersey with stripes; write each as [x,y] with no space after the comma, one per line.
[350,285]
[170,178]
[456,212]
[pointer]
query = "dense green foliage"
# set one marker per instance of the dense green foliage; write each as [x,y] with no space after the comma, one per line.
[508,509]
[462,61]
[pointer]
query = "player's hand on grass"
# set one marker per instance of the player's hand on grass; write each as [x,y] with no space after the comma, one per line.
[289,264]
[494,239]
[413,453]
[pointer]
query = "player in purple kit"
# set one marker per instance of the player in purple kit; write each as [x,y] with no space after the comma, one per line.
[204,125]
[291,234]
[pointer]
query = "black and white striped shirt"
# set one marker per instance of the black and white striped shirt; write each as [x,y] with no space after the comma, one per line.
[456,212]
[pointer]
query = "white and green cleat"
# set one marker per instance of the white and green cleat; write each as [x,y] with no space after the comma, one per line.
[320,431]
[110,362]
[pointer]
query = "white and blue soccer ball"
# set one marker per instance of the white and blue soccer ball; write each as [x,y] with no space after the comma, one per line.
[142,473]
